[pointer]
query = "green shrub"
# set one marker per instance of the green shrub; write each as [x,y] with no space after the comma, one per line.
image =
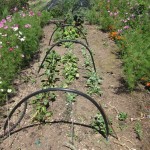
[128,23]
[11,6]
[19,40]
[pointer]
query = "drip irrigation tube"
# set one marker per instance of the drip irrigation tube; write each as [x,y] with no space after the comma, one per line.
[48,90]
[20,118]
[68,25]
[63,41]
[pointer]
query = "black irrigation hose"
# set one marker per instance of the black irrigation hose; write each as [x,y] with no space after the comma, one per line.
[48,90]
[20,118]
[63,41]
[68,25]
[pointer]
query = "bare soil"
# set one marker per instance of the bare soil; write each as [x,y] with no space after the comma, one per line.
[115,99]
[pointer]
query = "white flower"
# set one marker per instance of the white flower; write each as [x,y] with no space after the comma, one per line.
[22,39]
[15,28]
[0,82]
[9,90]
[4,35]
[2,90]
[0,42]
[20,32]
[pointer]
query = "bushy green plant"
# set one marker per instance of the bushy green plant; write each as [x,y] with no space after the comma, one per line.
[138,130]
[128,24]
[122,116]
[19,40]
[70,71]
[12,6]
[41,105]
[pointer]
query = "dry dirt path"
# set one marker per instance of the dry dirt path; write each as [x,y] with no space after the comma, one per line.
[115,99]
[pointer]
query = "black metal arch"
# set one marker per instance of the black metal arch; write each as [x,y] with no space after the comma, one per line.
[67,25]
[24,100]
[63,41]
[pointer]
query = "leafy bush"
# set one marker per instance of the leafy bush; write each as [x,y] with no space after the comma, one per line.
[11,6]
[19,40]
[128,24]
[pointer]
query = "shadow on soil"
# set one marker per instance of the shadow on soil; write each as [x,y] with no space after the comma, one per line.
[56,122]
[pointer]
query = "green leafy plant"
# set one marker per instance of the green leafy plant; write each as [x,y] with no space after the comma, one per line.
[66,33]
[129,21]
[122,116]
[99,124]
[70,71]
[70,97]
[138,130]
[93,82]
[19,38]
[41,105]
[50,69]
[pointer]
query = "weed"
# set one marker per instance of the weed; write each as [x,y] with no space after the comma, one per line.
[138,130]
[122,116]
[70,97]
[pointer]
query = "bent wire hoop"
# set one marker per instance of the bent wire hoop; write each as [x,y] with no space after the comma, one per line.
[67,25]
[24,100]
[63,41]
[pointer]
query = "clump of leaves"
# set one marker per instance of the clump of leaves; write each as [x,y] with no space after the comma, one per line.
[66,33]
[50,69]
[93,83]
[41,105]
[138,130]
[99,124]
[70,97]
[70,71]
[87,60]
[122,116]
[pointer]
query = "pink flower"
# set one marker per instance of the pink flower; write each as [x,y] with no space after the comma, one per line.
[23,14]
[126,27]
[15,9]
[39,13]
[3,21]
[11,49]
[116,13]
[27,26]
[1,25]
[111,14]
[8,18]
[1,46]
[5,27]
[31,13]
